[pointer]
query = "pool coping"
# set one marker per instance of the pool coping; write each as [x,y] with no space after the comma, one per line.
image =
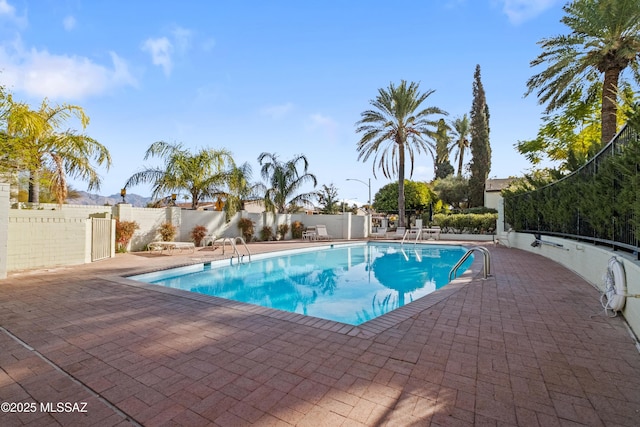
[367,329]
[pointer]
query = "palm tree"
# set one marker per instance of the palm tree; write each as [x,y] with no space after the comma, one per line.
[604,40]
[461,128]
[395,128]
[284,180]
[200,174]
[43,148]
[238,189]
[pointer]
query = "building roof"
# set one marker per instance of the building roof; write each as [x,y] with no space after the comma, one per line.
[497,184]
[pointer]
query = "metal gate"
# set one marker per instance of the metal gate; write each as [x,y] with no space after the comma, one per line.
[101,240]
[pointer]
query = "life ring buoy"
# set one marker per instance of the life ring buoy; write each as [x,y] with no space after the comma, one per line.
[615,285]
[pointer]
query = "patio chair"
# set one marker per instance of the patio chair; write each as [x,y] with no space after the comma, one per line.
[399,234]
[432,232]
[309,233]
[321,233]
[380,233]
[209,238]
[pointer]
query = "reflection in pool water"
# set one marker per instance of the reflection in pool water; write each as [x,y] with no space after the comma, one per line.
[349,283]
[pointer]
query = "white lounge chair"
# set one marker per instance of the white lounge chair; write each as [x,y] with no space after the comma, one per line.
[380,233]
[399,234]
[170,247]
[309,233]
[321,233]
[432,232]
[209,238]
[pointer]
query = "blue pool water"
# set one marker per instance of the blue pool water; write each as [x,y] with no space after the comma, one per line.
[345,283]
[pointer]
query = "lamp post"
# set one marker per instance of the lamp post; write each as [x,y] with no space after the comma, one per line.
[369,202]
[368,185]
[123,194]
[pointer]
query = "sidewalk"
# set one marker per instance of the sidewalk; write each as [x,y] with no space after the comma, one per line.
[529,346]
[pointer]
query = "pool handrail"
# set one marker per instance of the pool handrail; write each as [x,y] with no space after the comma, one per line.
[232,242]
[487,262]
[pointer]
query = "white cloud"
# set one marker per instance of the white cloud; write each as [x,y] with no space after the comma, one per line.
[69,23]
[163,49]
[277,111]
[9,12]
[182,38]
[6,9]
[329,125]
[420,172]
[41,74]
[320,120]
[519,11]
[160,50]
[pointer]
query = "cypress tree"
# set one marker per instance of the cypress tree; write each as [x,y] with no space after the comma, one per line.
[480,149]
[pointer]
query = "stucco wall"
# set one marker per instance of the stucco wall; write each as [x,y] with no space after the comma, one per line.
[39,238]
[56,235]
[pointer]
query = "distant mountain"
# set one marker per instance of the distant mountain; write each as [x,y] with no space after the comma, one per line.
[95,199]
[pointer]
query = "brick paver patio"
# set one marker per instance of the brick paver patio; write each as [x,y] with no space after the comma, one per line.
[529,346]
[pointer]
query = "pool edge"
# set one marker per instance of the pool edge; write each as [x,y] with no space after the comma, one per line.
[364,330]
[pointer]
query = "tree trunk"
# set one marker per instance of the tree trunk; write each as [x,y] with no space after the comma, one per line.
[609,104]
[401,220]
[34,187]
[460,160]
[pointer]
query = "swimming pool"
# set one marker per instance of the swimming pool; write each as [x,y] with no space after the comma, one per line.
[351,283]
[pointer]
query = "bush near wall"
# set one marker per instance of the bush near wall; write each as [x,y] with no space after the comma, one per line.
[466,223]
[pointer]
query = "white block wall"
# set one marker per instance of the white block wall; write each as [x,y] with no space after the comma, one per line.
[38,238]
[54,235]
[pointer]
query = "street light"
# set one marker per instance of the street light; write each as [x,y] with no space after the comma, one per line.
[369,202]
[368,185]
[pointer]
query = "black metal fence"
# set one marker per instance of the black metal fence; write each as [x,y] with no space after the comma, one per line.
[598,203]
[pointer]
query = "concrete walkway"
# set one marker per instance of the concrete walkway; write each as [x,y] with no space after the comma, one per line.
[529,346]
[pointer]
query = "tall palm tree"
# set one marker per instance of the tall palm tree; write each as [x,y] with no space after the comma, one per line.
[284,181]
[604,40]
[43,147]
[461,128]
[239,188]
[396,127]
[200,174]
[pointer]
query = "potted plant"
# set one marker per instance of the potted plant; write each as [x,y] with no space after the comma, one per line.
[124,233]
[167,231]
[197,234]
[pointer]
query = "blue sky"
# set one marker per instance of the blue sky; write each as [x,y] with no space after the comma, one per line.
[284,77]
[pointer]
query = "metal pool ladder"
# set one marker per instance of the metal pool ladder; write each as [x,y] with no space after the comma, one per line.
[487,262]
[232,242]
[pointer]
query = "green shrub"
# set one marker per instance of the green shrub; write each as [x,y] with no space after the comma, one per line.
[124,233]
[283,229]
[296,230]
[266,233]
[466,223]
[246,227]
[198,233]
[167,231]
